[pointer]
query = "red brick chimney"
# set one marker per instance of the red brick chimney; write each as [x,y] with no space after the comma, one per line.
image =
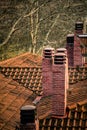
[47,71]
[78,59]
[63,50]
[70,49]
[55,79]
[59,84]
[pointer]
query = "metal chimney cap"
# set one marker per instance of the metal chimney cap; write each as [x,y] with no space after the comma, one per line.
[60,54]
[28,107]
[49,48]
[70,35]
[79,22]
[82,35]
[79,26]
[61,49]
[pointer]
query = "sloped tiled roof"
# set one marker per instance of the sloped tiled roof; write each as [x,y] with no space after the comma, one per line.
[74,95]
[23,60]
[77,74]
[12,97]
[31,77]
[19,77]
[76,119]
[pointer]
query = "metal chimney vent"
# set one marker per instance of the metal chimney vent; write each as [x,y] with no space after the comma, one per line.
[48,52]
[79,26]
[59,58]
[27,114]
[61,50]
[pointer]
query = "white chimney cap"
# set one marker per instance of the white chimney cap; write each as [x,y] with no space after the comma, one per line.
[28,107]
[70,35]
[61,49]
[60,54]
[49,48]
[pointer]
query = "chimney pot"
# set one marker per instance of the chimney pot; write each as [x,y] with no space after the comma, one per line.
[59,58]
[70,47]
[61,50]
[77,56]
[27,114]
[48,52]
[70,39]
[79,26]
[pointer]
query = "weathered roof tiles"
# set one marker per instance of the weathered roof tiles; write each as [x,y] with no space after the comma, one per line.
[12,97]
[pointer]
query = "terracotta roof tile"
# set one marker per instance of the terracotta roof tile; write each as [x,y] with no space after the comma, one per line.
[12,97]
[23,60]
[31,77]
[74,96]
[76,119]
[12,93]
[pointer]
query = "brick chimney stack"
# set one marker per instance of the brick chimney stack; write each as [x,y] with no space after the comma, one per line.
[70,49]
[59,84]
[78,59]
[55,79]
[27,118]
[63,50]
[47,71]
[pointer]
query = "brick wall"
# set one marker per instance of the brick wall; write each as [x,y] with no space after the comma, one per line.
[78,59]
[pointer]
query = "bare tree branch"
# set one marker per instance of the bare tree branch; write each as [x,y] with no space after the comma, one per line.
[14,25]
[13,29]
[34,23]
[50,29]
[33,11]
[2,17]
[34,30]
